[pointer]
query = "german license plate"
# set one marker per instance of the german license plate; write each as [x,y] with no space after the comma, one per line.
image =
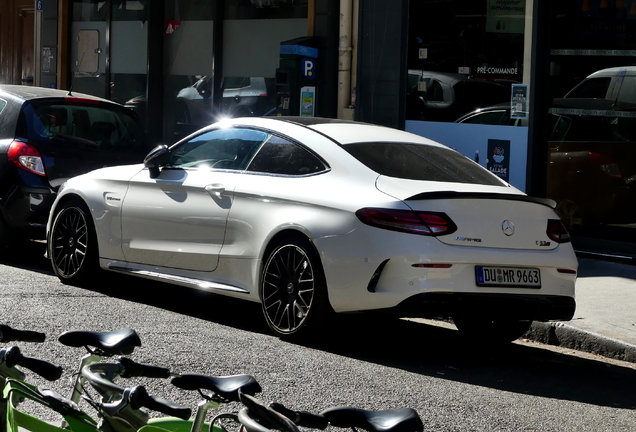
[510,277]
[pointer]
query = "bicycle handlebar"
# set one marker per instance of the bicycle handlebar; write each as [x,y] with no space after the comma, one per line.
[301,418]
[13,357]
[139,398]
[99,375]
[257,417]
[8,334]
[134,369]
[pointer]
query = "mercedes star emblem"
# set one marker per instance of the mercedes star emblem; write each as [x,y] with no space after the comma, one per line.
[508,228]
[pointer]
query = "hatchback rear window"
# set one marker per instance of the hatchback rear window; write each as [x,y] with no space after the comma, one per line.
[420,162]
[89,125]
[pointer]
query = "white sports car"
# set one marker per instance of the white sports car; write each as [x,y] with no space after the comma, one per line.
[311,216]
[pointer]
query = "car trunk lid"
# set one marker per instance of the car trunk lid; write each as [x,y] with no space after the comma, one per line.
[486,216]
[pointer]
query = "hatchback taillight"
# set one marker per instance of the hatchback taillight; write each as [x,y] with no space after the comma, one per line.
[557,231]
[26,157]
[413,222]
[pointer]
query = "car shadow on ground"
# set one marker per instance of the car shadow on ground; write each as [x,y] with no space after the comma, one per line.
[27,255]
[589,267]
[522,367]
[418,347]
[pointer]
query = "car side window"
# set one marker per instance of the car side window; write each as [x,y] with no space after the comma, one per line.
[283,157]
[230,149]
[3,103]
[594,88]
[85,127]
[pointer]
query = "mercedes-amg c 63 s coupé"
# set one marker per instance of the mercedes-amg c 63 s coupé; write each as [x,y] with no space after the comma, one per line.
[312,216]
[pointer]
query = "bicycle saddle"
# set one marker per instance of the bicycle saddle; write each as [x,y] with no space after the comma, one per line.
[397,420]
[226,386]
[118,342]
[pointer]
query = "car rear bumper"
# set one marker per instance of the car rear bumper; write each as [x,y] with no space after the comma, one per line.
[492,306]
[27,209]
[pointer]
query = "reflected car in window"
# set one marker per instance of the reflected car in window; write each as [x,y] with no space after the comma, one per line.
[592,162]
[242,97]
[48,136]
[606,89]
[311,217]
[440,96]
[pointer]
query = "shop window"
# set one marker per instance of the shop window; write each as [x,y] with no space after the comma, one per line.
[468,54]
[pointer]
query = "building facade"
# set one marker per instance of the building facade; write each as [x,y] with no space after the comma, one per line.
[540,92]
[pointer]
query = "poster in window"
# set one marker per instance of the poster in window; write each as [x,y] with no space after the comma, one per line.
[506,16]
[498,161]
[519,101]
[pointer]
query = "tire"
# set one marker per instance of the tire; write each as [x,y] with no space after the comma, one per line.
[293,290]
[571,215]
[73,244]
[490,331]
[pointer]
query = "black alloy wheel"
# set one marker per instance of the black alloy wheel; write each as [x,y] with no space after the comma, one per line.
[293,292]
[72,244]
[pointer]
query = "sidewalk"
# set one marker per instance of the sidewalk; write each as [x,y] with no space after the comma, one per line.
[605,318]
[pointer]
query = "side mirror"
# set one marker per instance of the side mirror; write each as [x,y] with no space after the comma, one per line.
[157,158]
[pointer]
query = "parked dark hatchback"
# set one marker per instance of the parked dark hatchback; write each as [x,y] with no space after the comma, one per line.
[48,136]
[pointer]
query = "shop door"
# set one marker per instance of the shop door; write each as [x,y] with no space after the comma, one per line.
[23,43]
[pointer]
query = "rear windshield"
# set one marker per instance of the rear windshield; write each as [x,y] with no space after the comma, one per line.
[87,125]
[421,162]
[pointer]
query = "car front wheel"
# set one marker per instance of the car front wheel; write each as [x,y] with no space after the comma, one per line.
[293,290]
[73,243]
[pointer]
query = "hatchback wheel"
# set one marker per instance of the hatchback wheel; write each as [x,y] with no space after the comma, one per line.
[293,290]
[490,331]
[73,243]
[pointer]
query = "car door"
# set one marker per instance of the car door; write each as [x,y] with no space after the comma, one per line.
[178,219]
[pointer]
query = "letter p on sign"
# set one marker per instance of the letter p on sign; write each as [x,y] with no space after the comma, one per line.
[309,68]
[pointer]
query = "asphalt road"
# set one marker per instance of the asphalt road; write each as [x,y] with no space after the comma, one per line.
[454,385]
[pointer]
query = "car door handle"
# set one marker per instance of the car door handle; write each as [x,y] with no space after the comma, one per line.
[215,190]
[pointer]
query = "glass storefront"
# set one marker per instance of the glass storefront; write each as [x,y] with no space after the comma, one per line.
[468,65]
[466,58]
[592,140]
[109,56]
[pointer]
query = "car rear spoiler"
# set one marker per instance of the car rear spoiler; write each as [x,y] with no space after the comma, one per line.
[481,195]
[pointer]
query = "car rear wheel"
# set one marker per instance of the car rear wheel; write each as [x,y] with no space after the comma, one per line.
[73,243]
[490,331]
[293,291]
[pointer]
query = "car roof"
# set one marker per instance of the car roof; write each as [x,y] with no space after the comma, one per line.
[25,93]
[614,71]
[340,131]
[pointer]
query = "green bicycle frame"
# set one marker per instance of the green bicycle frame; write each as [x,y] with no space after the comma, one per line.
[16,391]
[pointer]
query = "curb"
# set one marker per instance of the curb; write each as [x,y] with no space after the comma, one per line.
[563,335]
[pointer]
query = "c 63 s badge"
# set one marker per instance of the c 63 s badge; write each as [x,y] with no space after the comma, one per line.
[543,243]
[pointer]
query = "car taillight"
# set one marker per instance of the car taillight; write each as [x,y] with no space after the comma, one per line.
[557,231]
[423,223]
[26,157]
[606,164]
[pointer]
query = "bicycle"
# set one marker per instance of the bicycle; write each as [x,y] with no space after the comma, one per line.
[99,345]
[124,414]
[258,417]
[11,377]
